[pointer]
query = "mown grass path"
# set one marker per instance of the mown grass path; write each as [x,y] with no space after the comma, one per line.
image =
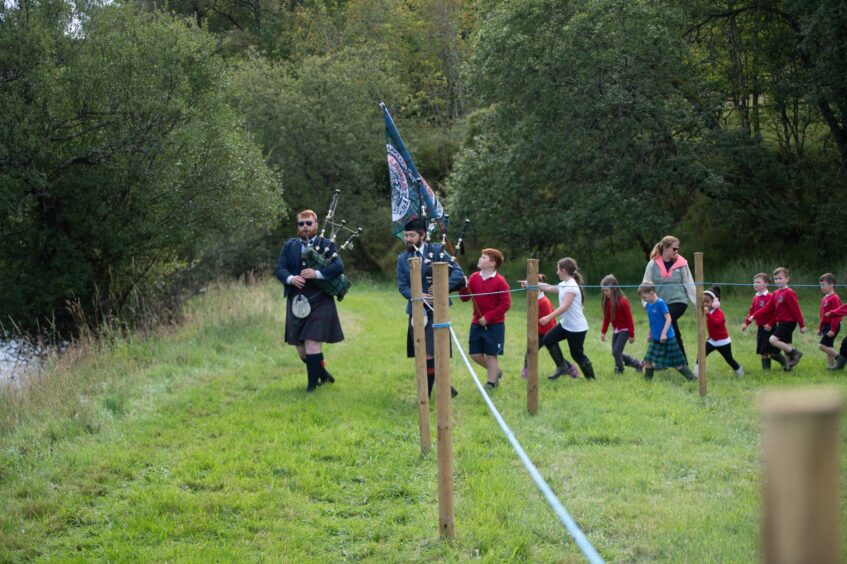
[201,444]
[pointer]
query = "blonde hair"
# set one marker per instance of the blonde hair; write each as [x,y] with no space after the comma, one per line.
[667,241]
[307,213]
[782,270]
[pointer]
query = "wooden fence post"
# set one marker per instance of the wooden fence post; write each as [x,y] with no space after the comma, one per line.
[701,324]
[419,332]
[801,460]
[532,336]
[441,276]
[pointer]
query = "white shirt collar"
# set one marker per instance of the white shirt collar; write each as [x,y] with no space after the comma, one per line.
[763,293]
[486,276]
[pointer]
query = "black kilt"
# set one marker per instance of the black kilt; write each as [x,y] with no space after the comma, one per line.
[322,323]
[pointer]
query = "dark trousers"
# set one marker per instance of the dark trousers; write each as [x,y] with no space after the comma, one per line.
[619,341]
[576,342]
[677,310]
[726,353]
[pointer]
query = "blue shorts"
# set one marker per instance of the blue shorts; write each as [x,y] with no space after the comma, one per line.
[487,340]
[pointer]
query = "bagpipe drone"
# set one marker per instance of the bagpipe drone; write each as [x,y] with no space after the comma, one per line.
[317,257]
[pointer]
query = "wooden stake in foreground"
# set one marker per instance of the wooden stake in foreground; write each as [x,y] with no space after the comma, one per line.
[701,324]
[532,336]
[800,440]
[441,326]
[418,326]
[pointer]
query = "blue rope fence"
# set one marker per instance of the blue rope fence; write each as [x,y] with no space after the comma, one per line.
[576,533]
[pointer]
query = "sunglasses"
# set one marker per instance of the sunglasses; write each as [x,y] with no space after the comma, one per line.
[306,223]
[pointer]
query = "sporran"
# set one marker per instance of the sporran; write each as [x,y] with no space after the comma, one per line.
[301,307]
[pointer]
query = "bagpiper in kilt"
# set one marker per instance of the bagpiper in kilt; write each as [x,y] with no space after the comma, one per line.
[311,316]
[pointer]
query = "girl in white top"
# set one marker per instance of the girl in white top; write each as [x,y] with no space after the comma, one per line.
[572,326]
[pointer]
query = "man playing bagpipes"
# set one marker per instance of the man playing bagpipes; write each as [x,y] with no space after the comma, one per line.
[414,236]
[311,317]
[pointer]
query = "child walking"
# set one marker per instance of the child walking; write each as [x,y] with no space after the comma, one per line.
[834,316]
[488,326]
[829,326]
[662,348]
[718,335]
[785,309]
[616,311]
[764,322]
[544,308]
[572,326]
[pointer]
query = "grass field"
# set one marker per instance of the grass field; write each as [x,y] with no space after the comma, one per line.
[200,444]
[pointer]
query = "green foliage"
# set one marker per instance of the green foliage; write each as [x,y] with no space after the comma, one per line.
[124,160]
[586,127]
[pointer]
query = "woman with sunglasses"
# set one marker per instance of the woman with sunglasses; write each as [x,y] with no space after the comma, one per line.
[669,273]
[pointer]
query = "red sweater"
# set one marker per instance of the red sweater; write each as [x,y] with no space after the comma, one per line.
[623,317]
[545,308]
[829,303]
[492,306]
[838,313]
[784,307]
[716,324]
[760,302]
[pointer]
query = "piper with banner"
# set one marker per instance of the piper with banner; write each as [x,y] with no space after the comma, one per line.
[415,213]
[312,273]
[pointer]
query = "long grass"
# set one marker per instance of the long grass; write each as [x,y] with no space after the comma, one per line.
[201,444]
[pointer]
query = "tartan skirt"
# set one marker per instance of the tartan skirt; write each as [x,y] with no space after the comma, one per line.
[667,354]
[322,323]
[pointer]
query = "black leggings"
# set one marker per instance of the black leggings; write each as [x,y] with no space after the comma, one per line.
[575,340]
[677,310]
[726,353]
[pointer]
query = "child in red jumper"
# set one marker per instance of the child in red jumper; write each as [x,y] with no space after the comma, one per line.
[616,311]
[490,304]
[786,312]
[829,326]
[718,335]
[835,316]
[764,323]
[544,308]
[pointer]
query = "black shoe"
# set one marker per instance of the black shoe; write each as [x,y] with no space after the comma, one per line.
[794,358]
[560,371]
[325,377]
[490,385]
[453,392]
[840,362]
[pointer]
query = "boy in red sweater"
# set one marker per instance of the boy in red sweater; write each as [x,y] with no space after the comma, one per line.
[786,313]
[544,308]
[829,326]
[718,335]
[764,323]
[491,300]
[835,315]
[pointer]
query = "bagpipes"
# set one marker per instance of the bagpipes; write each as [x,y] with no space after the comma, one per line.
[443,255]
[318,257]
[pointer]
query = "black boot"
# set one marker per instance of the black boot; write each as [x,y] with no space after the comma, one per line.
[766,363]
[840,362]
[587,370]
[689,375]
[313,371]
[561,364]
[648,373]
[780,359]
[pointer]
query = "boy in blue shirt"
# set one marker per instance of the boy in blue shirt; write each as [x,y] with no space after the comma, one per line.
[662,348]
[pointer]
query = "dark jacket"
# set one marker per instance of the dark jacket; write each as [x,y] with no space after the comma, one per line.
[456,282]
[290,262]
